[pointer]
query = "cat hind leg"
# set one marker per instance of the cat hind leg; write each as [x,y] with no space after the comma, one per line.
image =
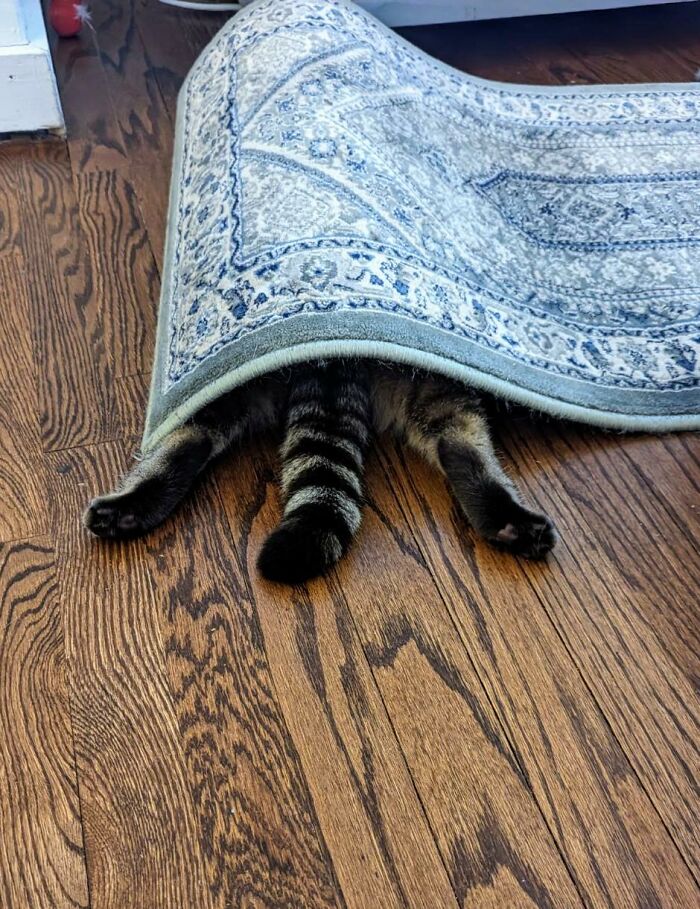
[443,421]
[150,492]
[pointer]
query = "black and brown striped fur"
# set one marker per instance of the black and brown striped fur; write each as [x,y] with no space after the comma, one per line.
[330,411]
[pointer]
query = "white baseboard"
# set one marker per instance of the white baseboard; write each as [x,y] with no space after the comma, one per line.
[28,94]
[425,12]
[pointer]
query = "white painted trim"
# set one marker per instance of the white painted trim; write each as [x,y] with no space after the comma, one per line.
[28,93]
[424,12]
[11,23]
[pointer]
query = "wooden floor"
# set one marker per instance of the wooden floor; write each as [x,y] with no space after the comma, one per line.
[436,725]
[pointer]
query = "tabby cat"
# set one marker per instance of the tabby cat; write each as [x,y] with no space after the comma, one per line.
[330,411]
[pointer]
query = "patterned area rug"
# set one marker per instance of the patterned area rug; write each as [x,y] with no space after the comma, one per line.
[338,192]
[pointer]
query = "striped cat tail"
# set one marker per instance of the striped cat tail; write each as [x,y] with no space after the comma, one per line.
[323,458]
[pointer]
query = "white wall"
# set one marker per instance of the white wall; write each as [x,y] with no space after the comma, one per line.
[28,93]
[11,23]
[423,12]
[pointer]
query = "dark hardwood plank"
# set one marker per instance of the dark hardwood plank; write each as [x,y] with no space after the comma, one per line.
[140,825]
[93,135]
[661,583]
[73,362]
[125,277]
[192,723]
[133,88]
[604,823]
[619,615]
[372,822]
[11,164]
[169,51]
[650,44]
[151,183]
[669,466]
[199,30]
[41,849]
[116,119]
[22,488]
[173,39]
[477,804]
[493,839]
[140,109]
[614,46]
[256,822]
[131,402]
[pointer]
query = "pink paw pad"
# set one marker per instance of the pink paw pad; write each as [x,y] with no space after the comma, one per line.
[507,534]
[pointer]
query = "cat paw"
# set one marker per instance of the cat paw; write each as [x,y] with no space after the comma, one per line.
[526,533]
[113,517]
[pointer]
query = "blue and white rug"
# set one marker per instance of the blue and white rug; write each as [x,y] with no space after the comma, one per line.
[337,192]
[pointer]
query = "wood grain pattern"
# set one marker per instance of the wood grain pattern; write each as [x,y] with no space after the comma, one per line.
[125,278]
[151,182]
[133,83]
[669,466]
[257,824]
[131,395]
[170,53]
[611,631]
[610,835]
[11,165]
[615,46]
[140,827]
[133,88]
[479,804]
[41,849]
[22,488]
[93,136]
[338,724]
[73,363]
[466,780]
[672,569]
[435,725]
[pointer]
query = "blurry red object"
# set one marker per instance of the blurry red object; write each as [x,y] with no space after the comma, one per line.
[67,17]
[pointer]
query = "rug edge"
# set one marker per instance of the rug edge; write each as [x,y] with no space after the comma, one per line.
[238,376]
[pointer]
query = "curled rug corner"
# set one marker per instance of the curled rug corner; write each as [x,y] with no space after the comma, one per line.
[336,192]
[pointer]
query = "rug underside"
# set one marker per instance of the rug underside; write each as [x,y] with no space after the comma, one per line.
[336,192]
